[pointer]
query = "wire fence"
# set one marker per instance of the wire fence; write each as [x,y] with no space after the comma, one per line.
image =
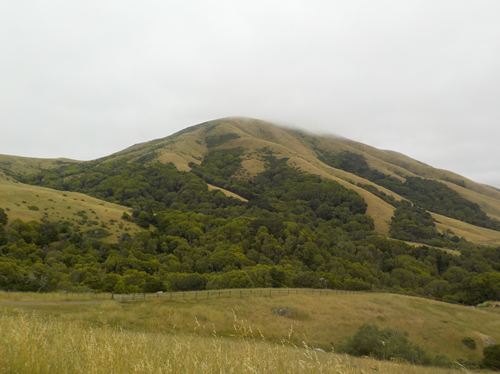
[262,292]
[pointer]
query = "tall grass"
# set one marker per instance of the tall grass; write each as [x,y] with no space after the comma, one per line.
[30,344]
[323,321]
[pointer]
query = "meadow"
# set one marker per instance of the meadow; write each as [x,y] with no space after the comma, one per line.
[54,333]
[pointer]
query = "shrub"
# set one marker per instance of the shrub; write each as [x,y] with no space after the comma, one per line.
[386,344]
[491,357]
[469,342]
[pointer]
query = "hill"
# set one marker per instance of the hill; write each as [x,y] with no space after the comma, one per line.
[243,203]
[306,152]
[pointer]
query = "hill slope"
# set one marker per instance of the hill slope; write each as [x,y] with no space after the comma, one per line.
[304,151]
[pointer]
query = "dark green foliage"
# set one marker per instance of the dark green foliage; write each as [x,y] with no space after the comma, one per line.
[412,223]
[33,207]
[469,342]
[384,344]
[216,140]
[3,217]
[382,195]
[491,357]
[219,166]
[387,344]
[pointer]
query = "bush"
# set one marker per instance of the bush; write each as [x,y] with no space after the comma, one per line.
[491,357]
[469,342]
[3,217]
[387,344]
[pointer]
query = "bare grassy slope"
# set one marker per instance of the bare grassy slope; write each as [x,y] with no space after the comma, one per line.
[28,165]
[34,203]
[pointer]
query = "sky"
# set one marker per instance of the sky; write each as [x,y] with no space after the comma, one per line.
[84,79]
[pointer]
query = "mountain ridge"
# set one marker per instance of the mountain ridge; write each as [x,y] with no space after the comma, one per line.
[303,150]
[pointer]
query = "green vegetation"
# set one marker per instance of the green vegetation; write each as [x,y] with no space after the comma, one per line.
[389,344]
[296,230]
[491,359]
[469,342]
[215,141]
[414,224]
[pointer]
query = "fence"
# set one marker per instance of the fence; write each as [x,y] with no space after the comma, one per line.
[261,292]
[213,294]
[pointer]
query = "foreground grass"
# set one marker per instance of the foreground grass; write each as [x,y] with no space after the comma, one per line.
[30,344]
[323,321]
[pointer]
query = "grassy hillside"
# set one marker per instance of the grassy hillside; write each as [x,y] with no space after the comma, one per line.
[321,321]
[54,346]
[36,203]
[28,165]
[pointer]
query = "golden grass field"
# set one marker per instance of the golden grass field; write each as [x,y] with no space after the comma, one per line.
[223,334]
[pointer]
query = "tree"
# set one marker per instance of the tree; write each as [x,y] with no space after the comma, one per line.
[3,217]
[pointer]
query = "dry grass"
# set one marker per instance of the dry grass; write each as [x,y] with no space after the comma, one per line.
[226,192]
[475,234]
[323,321]
[28,165]
[55,205]
[29,344]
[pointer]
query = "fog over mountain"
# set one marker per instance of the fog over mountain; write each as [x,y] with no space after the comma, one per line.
[84,79]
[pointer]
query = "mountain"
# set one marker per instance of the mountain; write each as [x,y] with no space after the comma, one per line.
[306,152]
[240,202]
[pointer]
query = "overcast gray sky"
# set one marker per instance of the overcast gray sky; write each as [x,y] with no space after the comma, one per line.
[84,79]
